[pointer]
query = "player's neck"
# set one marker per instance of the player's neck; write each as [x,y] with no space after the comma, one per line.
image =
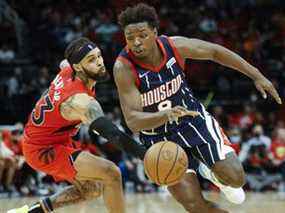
[88,82]
[155,58]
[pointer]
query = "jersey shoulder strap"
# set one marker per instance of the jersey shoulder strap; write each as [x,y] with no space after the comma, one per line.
[170,47]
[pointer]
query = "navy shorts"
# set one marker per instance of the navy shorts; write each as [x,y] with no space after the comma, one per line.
[202,139]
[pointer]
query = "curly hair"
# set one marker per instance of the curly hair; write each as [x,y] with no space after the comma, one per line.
[139,13]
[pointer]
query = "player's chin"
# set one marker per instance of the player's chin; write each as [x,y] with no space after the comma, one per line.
[140,54]
[103,77]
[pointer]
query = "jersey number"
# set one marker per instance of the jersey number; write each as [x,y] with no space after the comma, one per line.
[164,105]
[38,115]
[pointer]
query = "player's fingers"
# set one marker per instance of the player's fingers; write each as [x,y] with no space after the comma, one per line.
[262,91]
[182,111]
[178,111]
[172,117]
[192,113]
[275,94]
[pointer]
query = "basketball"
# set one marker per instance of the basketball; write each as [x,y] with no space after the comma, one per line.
[165,163]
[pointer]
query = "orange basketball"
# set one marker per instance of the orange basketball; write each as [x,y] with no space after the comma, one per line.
[165,163]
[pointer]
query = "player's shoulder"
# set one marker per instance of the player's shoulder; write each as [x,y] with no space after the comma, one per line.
[178,41]
[77,100]
[69,81]
[122,66]
[61,79]
[65,71]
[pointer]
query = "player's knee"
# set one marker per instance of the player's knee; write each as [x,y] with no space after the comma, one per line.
[231,175]
[2,164]
[237,178]
[191,206]
[236,175]
[113,173]
[188,201]
[9,163]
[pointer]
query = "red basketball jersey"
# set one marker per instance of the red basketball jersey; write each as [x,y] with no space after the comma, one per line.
[45,124]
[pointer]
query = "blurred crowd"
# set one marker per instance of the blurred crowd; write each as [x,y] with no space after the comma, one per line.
[29,60]
[258,141]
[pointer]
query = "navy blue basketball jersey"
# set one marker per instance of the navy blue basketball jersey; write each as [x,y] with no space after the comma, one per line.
[163,87]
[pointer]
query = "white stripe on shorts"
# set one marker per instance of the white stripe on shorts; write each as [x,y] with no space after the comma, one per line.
[221,138]
[212,157]
[183,139]
[211,128]
[205,162]
[203,139]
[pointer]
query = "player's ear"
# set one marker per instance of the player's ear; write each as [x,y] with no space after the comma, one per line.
[77,67]
[155,31]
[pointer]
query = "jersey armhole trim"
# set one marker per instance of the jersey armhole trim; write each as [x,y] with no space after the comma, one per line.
[133,69]
[176,53]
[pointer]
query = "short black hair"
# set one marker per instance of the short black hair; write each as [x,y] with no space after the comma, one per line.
[75,45]
[139,13]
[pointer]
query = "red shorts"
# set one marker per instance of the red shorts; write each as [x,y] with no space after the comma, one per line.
[54,159]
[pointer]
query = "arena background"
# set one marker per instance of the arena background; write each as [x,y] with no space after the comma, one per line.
[34,33]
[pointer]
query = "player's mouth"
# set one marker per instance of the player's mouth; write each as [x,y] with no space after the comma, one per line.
[138,51]
[102,70]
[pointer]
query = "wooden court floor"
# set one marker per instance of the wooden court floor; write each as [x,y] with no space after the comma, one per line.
[163,203]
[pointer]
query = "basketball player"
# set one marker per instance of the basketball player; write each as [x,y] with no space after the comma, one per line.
[47,144]
[155,99]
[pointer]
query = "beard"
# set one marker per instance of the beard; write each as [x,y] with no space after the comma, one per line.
[98,77]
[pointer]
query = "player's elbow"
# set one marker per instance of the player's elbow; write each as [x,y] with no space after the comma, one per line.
[133,125]
[218,53]
[215,51]
[133,122]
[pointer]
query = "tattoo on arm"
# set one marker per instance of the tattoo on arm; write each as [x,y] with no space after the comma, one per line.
[67,107]
[82,107]
[93,111]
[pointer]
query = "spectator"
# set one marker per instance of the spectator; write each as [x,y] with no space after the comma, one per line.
[106,29]
[9,162]
[255,148]
[277,157]
[7,54]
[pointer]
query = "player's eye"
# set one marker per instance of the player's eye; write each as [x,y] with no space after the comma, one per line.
[143,35]
[91,59]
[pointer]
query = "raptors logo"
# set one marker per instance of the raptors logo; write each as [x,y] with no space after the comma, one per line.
[47,155]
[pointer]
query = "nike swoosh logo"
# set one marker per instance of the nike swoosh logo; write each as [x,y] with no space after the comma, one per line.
[144,74]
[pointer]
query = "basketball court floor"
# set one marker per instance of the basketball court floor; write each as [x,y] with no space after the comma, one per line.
[163,203]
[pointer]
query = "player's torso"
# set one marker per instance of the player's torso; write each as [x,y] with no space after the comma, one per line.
[165,86]
[45,121]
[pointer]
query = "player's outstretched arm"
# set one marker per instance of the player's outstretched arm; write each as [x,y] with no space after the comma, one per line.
[85,108]
[130,100]
[198,49]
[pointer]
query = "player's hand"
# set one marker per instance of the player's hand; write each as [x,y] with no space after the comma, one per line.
[176,112]
[264,86]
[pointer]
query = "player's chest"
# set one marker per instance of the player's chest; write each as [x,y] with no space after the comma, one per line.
[168,75]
